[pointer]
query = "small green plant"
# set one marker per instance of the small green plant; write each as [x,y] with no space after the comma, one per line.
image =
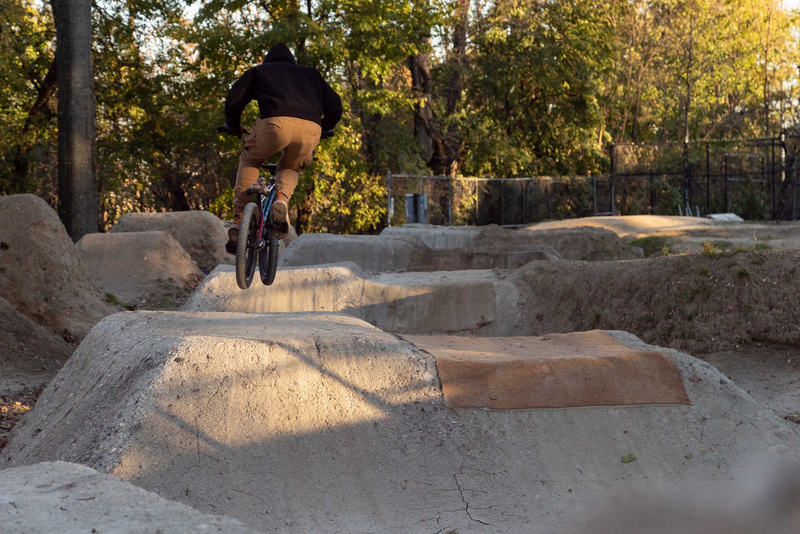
[652,244]
[742,273]
[595,320]
[740,341]
[610,254]
[112,298]
[761,246]
[690,318]
[703,271]
[665,251]
[710,250]
[628,458]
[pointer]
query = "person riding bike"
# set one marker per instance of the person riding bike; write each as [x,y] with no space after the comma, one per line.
[295,105]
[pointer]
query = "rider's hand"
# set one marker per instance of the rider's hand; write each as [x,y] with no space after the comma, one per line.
[238,132]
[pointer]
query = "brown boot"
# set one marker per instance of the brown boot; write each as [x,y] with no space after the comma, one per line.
[280,215]
[233,239]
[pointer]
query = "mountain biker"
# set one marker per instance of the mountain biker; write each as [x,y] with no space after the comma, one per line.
[296,105]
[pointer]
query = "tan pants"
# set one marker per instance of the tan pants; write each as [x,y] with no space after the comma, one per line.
[296,137]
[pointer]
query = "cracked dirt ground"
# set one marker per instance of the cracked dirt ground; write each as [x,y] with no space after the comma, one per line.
[315,422]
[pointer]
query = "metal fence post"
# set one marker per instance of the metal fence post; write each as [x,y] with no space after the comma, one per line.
[611,178]
[388,198]
[708,181]
[686,177]
[450,201]
[774,204]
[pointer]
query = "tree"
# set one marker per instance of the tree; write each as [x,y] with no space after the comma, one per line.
[77,186]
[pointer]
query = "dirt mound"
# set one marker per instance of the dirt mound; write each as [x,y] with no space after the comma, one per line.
[456,301]
[698,303]
[141,269]
[587,244]
[73,499]
[200,233]
[29,353]
[379,253]
[635,225]
[322,423]
[42,276]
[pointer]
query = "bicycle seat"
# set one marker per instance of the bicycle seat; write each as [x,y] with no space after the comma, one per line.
[271,167]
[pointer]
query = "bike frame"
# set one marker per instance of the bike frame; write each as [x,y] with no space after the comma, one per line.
[266,204]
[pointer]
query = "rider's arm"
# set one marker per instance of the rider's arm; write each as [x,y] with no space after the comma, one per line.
[239,96]
[331,107]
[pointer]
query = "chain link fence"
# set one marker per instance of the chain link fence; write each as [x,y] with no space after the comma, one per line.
[754,178]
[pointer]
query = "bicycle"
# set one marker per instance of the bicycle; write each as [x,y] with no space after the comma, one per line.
[256,241]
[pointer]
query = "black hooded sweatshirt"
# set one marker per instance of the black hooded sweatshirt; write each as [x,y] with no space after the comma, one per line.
[284,89]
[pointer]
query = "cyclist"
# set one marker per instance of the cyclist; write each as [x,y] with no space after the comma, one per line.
[295,105]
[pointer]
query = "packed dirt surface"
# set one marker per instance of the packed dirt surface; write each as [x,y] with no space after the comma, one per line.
[202,234]
[635,225]
[456,301]
[30,354]
[387,254]
[40,273]
[769,372]
[72,499]
[589,244]
[695,303]
[140,269]
[322,423]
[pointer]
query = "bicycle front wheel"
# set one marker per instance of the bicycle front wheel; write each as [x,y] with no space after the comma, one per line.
[268,260]
[246,253]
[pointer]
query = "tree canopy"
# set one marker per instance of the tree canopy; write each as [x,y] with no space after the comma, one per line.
[498,88]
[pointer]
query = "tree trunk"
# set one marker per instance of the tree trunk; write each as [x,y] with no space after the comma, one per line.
[77,187]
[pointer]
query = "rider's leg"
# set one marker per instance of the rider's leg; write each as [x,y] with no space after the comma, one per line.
[266,137]
[296,157]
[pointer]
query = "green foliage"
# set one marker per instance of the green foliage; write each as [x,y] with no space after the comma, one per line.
[538,89]
[652,245]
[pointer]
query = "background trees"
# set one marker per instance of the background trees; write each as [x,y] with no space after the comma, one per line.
[495,88]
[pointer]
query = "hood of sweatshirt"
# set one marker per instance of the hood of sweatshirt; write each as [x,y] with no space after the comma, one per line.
[279,52]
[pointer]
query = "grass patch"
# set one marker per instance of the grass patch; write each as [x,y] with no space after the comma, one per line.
[742,273]
[112,298]
[595,320]
[710,249]
[723,245]
[761,246]
[652,244]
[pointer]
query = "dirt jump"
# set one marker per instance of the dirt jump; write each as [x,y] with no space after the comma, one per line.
[323,423]
[550,380]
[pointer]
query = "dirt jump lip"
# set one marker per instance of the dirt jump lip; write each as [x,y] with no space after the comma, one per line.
[320,422]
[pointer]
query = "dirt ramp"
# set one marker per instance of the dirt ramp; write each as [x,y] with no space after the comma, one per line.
[202,234]
[29,353]
[700,303]
[322,423]
[387,254]
[369,252]
[144,269]
[42,276]
[455,301]
[588,244]
[73,499]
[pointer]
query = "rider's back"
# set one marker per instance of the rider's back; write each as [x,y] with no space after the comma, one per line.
[284,89]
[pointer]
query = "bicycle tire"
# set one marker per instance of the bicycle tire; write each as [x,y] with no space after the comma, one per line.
[268,259]
[246,247]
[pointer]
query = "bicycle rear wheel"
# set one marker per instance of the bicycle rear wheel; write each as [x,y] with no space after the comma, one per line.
[268,260]
[246,253]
